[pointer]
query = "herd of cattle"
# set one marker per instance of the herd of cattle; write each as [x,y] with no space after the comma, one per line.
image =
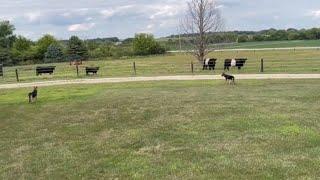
[210,64]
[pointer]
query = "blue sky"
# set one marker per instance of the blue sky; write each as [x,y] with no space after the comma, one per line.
[124,18]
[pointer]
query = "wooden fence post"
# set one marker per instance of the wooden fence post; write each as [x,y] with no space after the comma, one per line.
[1,70]
[192,67]
[17,75]
[262,66]
[77,70]
[134,68]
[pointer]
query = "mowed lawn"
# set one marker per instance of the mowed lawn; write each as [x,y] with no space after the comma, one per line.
[163,130]
[299,61]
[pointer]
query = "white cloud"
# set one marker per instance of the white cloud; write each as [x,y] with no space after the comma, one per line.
[150,26]
[33,16]
[81,27]
[107,13]
[89,19]
[315,14]
[161,11]
[220,6]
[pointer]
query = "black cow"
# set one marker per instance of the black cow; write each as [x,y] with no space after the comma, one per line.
[240,62]
[209,64]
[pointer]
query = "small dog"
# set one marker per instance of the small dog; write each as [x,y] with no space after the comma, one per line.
[229,78]
[33,95]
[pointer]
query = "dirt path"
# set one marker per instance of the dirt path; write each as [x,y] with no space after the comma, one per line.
[159,78]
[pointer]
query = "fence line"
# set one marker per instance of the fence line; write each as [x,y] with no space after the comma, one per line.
[64,71]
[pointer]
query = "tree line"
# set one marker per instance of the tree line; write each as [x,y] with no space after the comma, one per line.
[253,36]
[19,50]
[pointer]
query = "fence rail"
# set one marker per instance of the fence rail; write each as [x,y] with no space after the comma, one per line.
[158,68]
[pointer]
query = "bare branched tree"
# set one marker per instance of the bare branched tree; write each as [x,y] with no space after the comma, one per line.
[202,17]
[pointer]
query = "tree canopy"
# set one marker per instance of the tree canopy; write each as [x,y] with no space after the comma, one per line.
[145,44]
[76,49]
[6,34]
[54,54]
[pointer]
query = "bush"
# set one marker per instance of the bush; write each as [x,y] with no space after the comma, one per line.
[145,44]
[243,38]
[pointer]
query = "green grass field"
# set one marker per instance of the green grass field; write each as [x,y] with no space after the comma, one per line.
[275,44]
[300,61]
[165,130]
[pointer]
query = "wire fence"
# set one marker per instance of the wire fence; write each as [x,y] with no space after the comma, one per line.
[128,68]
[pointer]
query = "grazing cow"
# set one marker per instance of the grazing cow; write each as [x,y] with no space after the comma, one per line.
[209,64]
[239,63]
[227,64]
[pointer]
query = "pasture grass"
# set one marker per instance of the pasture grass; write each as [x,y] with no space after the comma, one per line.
[275,44]
[302,61]
[163,130]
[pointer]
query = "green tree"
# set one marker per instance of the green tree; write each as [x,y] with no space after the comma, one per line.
[145,44]
[54,54]
[293,36]
[6,40]
[23,51]
[76,49]
[5,57]
[43,44]
[243,38]
[6,34]
[22,44]
[313,33]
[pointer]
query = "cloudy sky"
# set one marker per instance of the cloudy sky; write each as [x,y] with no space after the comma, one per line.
[124,18]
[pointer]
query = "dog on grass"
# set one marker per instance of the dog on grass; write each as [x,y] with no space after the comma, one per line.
[33,95]
[229,78]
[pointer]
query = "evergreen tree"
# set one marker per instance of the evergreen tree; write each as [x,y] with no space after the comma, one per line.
[54,54]
[77,49]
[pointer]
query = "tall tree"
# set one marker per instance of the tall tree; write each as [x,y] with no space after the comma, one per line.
[6,40]
[6,34]
[202,17]
[77,49]
[23,50]
[43,44]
